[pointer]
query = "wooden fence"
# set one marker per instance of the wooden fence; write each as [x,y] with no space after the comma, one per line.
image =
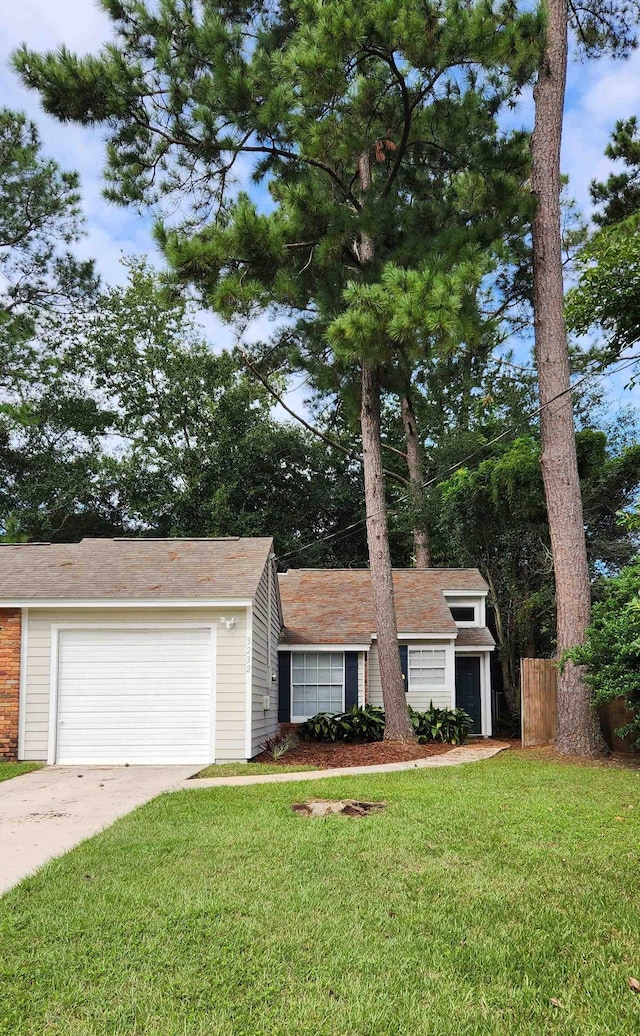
[538,680]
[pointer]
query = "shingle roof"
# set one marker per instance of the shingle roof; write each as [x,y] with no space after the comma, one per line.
[335,606]
[477,637]
[140,569]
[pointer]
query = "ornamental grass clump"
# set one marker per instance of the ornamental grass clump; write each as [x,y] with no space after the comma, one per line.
[277,745]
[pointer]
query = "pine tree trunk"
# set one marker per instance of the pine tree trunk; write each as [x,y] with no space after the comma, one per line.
[421,543]
[577,728]
[398,726]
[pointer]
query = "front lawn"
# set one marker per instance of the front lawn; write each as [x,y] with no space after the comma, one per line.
[479,894]
[8,770]
[250,769]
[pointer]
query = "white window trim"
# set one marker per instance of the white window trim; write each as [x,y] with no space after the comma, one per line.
[302,719]
[427,685]
[465,593]
[56,629]
[22,696]
[476,599]
[248,687]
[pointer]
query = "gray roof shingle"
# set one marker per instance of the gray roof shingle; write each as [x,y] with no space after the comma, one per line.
[133,569]
[475,637]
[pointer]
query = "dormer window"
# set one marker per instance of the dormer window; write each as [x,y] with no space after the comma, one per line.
[463,613]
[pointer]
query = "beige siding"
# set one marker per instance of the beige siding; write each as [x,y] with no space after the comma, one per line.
[264,655]
[443,696]
[231,668]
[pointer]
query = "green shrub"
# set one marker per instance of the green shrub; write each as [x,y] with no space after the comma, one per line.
[611,651]
[449,725]
[356,724]
[367,724]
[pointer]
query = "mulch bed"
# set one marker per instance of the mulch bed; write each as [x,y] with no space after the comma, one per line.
[314,753]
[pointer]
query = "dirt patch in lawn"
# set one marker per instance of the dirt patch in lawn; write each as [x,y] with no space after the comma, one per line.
[343,807]
[325,757]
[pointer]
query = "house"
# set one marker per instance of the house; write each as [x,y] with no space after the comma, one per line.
[328,653]
[192,650]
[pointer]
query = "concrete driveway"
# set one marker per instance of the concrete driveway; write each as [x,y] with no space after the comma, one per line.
[45,813]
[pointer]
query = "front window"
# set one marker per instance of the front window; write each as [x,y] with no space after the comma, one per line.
[426,667]
[317,683]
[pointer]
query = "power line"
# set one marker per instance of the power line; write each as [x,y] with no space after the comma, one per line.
[598,372]
[312,428]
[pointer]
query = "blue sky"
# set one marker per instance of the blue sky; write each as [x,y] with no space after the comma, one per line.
[598,94]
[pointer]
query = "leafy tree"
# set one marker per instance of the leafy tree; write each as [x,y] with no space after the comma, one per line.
[343,113]
[40,280]
[494,515]
[611,651]
[607,294]
[39,219]
[129,422]
[619,194]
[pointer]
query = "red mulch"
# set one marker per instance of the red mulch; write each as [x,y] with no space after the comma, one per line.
[314,753]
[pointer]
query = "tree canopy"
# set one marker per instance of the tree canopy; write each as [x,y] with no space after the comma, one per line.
[40,220]
[128,421]
[606,297]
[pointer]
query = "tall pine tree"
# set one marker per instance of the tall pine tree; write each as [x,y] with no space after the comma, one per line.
[345,118]
[599,24]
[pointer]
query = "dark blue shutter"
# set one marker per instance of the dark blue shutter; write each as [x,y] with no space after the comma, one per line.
[284,687]
[404,664]
[350,679]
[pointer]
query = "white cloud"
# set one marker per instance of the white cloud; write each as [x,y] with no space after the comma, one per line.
[80,24]
[598,94]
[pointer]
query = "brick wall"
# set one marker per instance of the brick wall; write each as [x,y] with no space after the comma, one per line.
[10,631]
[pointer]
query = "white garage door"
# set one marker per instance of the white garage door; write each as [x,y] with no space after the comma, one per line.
[134,696]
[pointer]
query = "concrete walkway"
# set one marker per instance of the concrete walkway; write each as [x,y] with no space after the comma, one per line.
[456,757]
[45,813]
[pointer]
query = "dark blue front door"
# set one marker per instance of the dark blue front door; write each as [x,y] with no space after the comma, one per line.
[468,689]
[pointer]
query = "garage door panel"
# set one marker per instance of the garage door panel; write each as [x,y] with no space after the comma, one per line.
[163,689]
[134,695]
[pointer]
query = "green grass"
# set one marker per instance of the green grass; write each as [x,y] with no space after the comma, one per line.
[480,892]
[8,770]
[250,769]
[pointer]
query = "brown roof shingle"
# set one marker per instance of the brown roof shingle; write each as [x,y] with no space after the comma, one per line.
[475,637]
[335,606]
[137,569]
